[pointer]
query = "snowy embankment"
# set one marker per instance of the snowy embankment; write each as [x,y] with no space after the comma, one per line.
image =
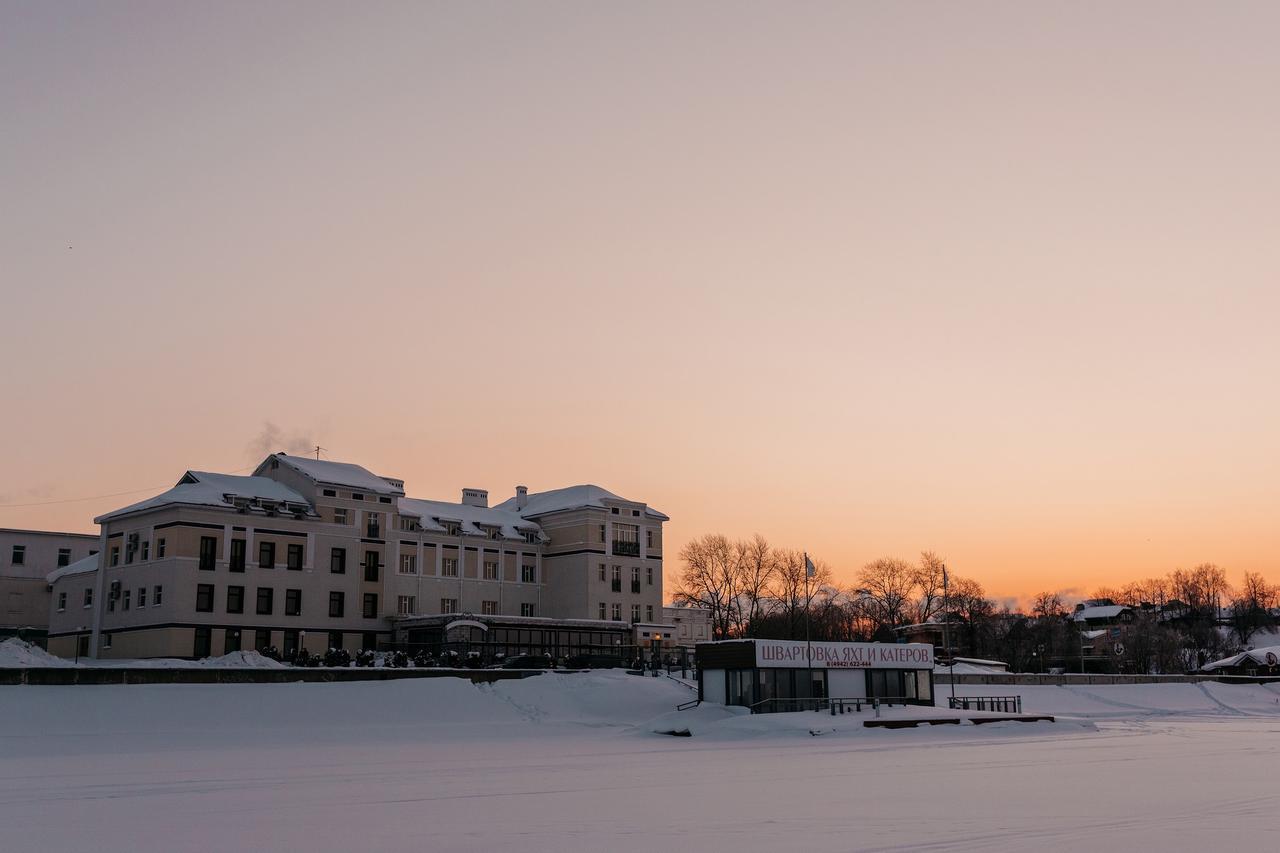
[1133,701]
[15,653]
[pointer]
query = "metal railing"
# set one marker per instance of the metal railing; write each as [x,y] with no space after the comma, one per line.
[834,704]
[1004,704]
[626,549]
[692,703]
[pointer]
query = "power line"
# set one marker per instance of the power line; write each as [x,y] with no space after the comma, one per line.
[100,497]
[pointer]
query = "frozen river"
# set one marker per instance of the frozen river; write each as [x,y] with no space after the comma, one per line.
[565,763]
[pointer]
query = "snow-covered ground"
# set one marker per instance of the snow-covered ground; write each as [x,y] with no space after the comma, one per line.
[565,762]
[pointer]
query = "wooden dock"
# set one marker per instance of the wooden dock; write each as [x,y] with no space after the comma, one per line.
[914,722]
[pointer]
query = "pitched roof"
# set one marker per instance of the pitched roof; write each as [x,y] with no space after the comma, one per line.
[469,516]
[335,473]
[1109,611]
[585,496]
[79,567]
[202,488]
[1258,656]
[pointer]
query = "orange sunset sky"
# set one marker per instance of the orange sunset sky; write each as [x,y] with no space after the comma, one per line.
[993,279]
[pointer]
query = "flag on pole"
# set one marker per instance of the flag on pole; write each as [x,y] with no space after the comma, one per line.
[809,569]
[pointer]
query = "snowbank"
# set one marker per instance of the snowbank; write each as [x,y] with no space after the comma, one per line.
[15,653]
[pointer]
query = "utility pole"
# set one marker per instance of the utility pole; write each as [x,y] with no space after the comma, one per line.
[808,645]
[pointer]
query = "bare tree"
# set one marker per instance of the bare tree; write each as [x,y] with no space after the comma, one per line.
[758,566]
[889,583]
[711,580]
[928,582]
[1048,605]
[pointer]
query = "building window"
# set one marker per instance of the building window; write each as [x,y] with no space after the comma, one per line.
[106,641]
[448,605]
[158,596]
[262,639]
[527,609]
[20,555]
[290,649]
[369,640]
[648,573]
[371,566]
[142,596]
[635,578]
[617,612]
[64,557]
[451,528]
[329,493]
[602,533]
[603,570]
[293,602]
[528,574]
[231,641]
[115,555]
[615,579]
[491,570]
[160,548]
[408,564]
[635,613]
[337,603]
[449,567]
[88,596]
[146,550]
[406,605]
[409,524]
[373,525]
[339,516]
[338,561]
[266,555]
[235,599]
[489,608]
[603,611]
[357,496]
[626,540]
[62,601]
[203,643]
[335,639]
[266,600]
[235,562]
[294,558]
[371,605]
[648,538]
[204,598]
[208,552]
[648,613]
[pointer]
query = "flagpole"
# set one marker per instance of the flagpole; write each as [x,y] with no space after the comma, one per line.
[808,645]
[946,632]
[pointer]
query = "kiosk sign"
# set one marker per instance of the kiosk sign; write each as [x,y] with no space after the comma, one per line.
[790,654]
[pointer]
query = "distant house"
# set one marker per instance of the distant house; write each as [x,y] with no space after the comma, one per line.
[1101,613]
[1264,661]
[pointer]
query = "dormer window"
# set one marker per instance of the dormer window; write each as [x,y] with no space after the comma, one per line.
[452,528]
[495,532]
[532,537]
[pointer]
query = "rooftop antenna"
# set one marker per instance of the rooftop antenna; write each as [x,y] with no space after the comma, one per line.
[317,450]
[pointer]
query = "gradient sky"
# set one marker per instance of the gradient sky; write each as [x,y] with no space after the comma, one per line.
[993,279]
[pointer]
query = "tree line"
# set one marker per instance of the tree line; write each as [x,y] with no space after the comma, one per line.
[1179,621]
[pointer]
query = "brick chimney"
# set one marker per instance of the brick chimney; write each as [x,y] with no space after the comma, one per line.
[475,497]
[522,497]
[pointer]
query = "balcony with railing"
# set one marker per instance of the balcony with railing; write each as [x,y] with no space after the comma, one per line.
[622,548]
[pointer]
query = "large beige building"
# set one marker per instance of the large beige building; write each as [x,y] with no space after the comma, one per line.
[26,558]
[315,554]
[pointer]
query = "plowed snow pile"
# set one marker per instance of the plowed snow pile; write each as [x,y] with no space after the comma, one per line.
[17,653]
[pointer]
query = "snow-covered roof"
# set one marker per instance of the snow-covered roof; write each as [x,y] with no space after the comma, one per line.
[1110,611]
[1095,634]
[470,517]
[336,474]
[79,567]
[202,488]
[585,496]
[1257,656]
